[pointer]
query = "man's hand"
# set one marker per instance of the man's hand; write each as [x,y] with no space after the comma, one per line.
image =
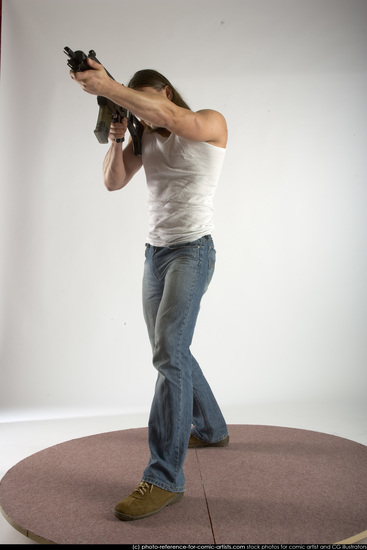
[117,130]
[96,81]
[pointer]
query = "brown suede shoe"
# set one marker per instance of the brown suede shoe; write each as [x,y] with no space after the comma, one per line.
[195,443]
[146,500]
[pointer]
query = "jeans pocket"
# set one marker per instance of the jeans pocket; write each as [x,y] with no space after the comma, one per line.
[212,255]
[211,265]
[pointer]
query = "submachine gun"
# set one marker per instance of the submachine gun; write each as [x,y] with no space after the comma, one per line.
[108,110]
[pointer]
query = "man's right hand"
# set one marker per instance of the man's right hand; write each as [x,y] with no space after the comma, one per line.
[118,129]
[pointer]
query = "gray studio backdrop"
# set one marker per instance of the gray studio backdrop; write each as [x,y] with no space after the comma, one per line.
[285,316]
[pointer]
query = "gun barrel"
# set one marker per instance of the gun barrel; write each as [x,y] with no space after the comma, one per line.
[68,51]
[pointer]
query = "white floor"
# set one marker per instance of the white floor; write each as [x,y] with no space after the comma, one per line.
[19,440]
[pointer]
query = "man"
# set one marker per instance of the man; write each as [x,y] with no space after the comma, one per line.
[182,155]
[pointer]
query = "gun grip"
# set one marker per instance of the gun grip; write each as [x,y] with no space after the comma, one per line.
[118,118]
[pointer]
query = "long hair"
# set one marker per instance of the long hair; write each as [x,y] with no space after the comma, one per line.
[154,79]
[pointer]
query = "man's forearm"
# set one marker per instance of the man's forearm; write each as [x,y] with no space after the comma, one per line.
[114,173]
[150,107]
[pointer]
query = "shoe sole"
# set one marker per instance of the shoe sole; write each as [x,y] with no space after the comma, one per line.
[125,517]
[222,443]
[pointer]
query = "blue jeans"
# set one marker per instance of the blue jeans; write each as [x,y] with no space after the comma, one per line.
[175,279]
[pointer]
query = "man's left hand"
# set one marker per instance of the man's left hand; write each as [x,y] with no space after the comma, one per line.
[96,81]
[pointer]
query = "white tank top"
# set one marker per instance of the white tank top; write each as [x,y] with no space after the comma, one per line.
[182,177]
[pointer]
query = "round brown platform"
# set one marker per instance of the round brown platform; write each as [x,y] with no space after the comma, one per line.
[270,485]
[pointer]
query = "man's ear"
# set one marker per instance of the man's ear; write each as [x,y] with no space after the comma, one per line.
[169,92]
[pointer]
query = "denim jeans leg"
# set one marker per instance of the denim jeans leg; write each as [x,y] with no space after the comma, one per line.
[208,423]
[175,280]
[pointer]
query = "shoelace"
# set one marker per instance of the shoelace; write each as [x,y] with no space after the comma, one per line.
[143,487]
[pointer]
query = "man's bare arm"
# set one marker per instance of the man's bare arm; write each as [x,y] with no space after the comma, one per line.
[119,165]
[206,125]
